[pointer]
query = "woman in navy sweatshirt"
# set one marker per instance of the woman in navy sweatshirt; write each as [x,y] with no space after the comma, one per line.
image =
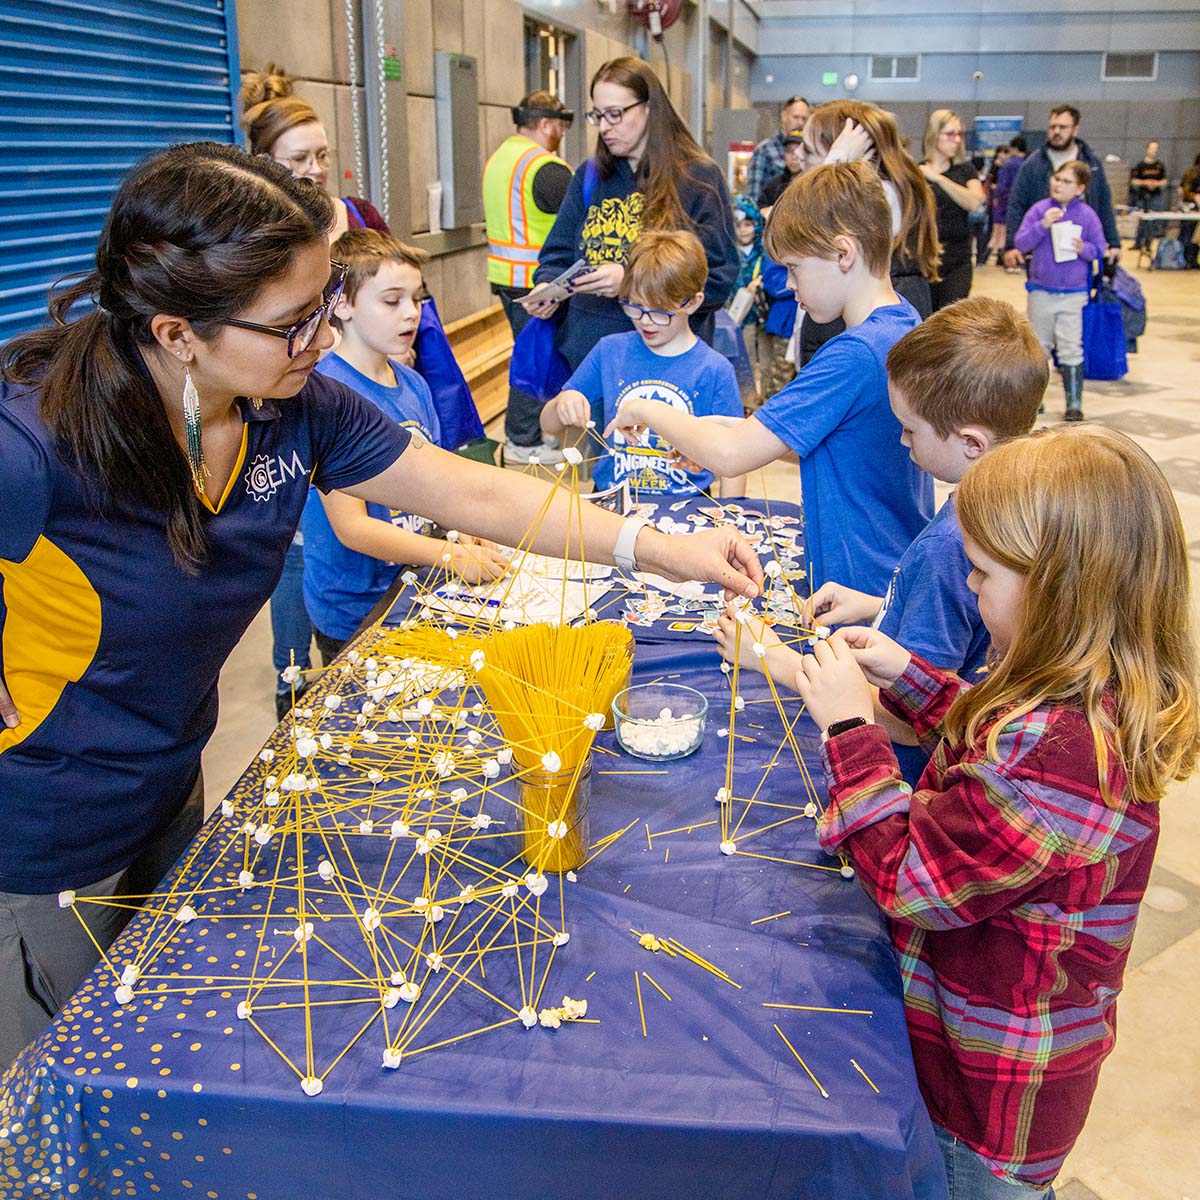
[648,173]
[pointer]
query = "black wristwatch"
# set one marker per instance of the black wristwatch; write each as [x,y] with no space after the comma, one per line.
[842,726]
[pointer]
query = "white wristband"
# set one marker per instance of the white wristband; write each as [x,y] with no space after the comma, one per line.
[623,548]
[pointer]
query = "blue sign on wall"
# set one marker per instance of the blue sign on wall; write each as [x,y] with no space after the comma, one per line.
[991,132]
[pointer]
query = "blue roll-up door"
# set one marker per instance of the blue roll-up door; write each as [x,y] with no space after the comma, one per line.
[86,90]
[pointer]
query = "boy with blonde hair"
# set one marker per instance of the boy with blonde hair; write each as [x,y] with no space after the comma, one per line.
[353,550]
[864,501]
[660,360]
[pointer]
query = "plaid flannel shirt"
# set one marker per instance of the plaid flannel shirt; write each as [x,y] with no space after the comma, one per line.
[1012,891]
[765,163]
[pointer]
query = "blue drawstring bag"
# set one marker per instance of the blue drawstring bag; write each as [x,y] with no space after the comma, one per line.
[537,368]
[456,411]
[1104,354]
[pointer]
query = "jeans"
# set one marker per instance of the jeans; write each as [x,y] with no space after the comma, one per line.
[522,419]
[970,1178]
[291,629]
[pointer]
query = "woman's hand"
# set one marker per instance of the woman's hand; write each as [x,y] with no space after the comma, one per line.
[882,660]
[840,605]
[475,560]
[604,280]
[781,661]
[708,556]
[852,144]
[832,684]
[1052,214]
[540,308]
[8,710]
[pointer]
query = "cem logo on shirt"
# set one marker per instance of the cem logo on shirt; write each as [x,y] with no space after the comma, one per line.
[268,472]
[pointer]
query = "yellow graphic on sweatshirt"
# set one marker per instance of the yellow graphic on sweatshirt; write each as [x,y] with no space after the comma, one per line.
[610,229]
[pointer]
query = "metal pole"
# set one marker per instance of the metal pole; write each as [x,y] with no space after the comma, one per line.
[729,54]
[700,76]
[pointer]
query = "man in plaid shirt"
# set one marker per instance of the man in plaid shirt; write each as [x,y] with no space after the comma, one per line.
[767,160]
[1012,890]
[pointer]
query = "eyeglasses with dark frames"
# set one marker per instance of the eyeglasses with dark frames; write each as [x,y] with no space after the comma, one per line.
[635,312]
[300,336]
[612,115]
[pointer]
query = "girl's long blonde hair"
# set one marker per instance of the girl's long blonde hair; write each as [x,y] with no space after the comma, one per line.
[1087,517]
[918,238]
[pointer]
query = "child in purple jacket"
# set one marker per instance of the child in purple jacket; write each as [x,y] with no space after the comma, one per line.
[1058,289]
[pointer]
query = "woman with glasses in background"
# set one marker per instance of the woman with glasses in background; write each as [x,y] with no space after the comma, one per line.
[957,192]
[156,452]
[648,173]
[287,128]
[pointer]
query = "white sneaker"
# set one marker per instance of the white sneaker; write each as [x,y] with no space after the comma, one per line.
[541,453]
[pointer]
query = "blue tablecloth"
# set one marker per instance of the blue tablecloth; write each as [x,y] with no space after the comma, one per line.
[173,1095]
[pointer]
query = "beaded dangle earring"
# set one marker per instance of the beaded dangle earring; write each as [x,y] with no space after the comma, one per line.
[191,425]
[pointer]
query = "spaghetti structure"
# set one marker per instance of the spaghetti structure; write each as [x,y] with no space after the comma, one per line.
[394,869]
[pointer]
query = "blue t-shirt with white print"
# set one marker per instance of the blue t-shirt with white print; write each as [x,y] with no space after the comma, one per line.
[864,498]
[621,366]
[341,585]
[930,610]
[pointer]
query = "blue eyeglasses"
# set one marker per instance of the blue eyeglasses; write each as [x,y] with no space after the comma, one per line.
[635,312]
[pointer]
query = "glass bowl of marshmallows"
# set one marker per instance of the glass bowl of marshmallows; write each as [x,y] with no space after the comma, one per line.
[660,721]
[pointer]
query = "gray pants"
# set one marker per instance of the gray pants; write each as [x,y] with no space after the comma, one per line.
[1057,319]
[45,953]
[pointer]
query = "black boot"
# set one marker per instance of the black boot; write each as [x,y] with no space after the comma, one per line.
[1072,378]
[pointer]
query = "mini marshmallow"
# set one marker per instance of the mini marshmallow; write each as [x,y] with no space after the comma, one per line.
[245,879]
[423,845]
[310,1085]
[365,826]
[371,919]
[333,702]
[728,847]
[722,795]
[271,799]
[325,869]
[263,834]
[572,877]
[375,776]
[303,933]
[551,762]
[557,829]
[391,997]
[739,703]
[186,915]
[266,755]
[425,706]
[123,994]
[491,768]
[480,821]
[536,882]
[810,809]
[435,914]
[772,569]
[409,992]
[478,658]
[130,975]
[291,674]
[391,1058]
[561,938]
[452,535]
[271,781]
[408,578]
[467,895]
[434,961]
[458,795]
[508,891]
[847,871]
[760,651]
[504,755]
[529,1017]
[227,808]
[294,783]
[594,721]
[66,899]
[572,455]
[370,736]
[244,1009]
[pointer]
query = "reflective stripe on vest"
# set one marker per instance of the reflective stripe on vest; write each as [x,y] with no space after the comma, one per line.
[516,227]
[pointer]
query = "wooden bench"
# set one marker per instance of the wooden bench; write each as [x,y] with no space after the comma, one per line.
[482,343]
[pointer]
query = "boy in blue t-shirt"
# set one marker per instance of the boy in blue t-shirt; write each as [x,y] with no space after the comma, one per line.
[661,360]
[864,500]
[969,378]
[352,550]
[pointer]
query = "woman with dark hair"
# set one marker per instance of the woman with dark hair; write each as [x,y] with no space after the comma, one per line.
[286,127]
[648,173]
[957,193]
[155,456]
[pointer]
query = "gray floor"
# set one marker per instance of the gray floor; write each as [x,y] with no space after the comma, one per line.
[1142,1141]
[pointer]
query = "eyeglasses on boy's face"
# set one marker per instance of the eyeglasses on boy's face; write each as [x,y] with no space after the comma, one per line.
[300,335]
[635,312]
[612,115]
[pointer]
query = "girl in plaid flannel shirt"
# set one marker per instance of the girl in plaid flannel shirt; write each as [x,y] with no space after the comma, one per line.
[1012,876]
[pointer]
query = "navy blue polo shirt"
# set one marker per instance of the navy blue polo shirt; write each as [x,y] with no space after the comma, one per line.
[111,652]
